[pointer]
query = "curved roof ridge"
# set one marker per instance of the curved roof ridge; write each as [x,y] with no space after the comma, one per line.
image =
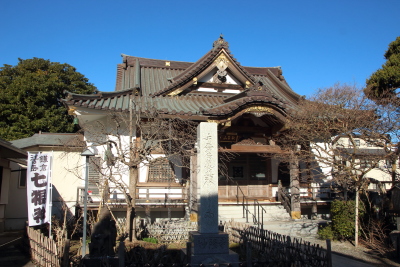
[284,86]
[242,103]
[157,59]
[202,64]
[159,63]
[71,95]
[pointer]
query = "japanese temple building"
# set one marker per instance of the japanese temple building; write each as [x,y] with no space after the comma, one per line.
[248,103]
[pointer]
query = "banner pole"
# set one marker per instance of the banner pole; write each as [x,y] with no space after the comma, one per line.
[50,193]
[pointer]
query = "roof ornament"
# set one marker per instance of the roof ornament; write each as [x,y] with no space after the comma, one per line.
[259,86]
[222,64]
[221,42]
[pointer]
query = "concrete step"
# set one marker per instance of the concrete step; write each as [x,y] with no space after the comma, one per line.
[295,228]
[272,212]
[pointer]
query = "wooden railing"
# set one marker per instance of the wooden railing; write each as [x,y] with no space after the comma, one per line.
[146,194]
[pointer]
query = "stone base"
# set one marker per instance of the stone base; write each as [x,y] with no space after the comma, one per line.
[230,257]
[394,236]
[211,249]
[217,243]
[100,261]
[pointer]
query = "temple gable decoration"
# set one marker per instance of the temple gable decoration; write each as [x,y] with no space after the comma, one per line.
[216,72]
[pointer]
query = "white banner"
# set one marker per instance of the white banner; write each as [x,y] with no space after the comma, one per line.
[38,188]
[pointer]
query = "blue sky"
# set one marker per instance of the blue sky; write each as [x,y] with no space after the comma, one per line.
[316,42]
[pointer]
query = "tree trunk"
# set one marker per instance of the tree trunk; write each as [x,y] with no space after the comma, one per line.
[295,187]
[394,168]
[131,212]
[356,219]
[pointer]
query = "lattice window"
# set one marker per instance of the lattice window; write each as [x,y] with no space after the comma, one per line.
[94,175]
[160,171]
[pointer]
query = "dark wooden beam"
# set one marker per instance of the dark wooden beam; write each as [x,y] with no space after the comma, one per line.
[220,86]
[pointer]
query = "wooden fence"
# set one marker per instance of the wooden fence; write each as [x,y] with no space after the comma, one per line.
[45,252]
[272,249]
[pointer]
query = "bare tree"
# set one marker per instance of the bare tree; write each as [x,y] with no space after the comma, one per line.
[340,134]
[130,139]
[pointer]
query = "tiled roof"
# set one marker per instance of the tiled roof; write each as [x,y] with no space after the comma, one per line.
[156,77]
[9,150]
[183,105]
[148,81]
[199,105]
[202,64]
[49,139]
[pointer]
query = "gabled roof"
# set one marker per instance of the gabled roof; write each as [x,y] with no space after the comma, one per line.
[9,151]
[50,140]
[173,87]
[220,50]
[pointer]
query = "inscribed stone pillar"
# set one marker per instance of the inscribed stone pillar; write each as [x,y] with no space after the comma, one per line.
[207,167]
[209,245]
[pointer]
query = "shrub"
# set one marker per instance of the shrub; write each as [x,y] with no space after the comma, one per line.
[326,232]
[151,240]
[343,216]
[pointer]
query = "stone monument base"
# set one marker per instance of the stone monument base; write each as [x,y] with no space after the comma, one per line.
[210,249]
[89,261]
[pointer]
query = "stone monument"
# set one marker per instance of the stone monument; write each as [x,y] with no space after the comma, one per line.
[103,240]
[209,246]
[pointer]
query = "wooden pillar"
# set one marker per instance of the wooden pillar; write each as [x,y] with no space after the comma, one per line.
[294,187]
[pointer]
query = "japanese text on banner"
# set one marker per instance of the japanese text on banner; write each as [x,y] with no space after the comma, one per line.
[38,188]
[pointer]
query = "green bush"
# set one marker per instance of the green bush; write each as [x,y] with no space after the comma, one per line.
[326,232]
[151,240]
[343,216]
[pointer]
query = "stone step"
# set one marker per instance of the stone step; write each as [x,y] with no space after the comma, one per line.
[295,228]
[273,213]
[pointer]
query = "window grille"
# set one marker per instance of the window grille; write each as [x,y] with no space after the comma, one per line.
[365,163]
[160,171]
[22,178]
[94,175]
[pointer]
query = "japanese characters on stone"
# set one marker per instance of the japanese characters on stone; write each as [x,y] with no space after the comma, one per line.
[38,188]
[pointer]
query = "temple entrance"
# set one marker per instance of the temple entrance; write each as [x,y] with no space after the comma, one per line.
[246,174]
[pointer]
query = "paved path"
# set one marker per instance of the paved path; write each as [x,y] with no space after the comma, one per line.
[341,261]
[10,253]
[307,230]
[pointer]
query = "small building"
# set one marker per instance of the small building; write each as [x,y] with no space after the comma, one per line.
[66,167]
[13,205]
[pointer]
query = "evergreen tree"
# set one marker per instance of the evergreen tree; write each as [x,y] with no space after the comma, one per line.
[30,94]
[384,83]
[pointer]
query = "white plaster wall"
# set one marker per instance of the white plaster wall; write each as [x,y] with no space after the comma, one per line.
[98,139]
[381,173]
[16,211]
[323,170]
[66,179]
